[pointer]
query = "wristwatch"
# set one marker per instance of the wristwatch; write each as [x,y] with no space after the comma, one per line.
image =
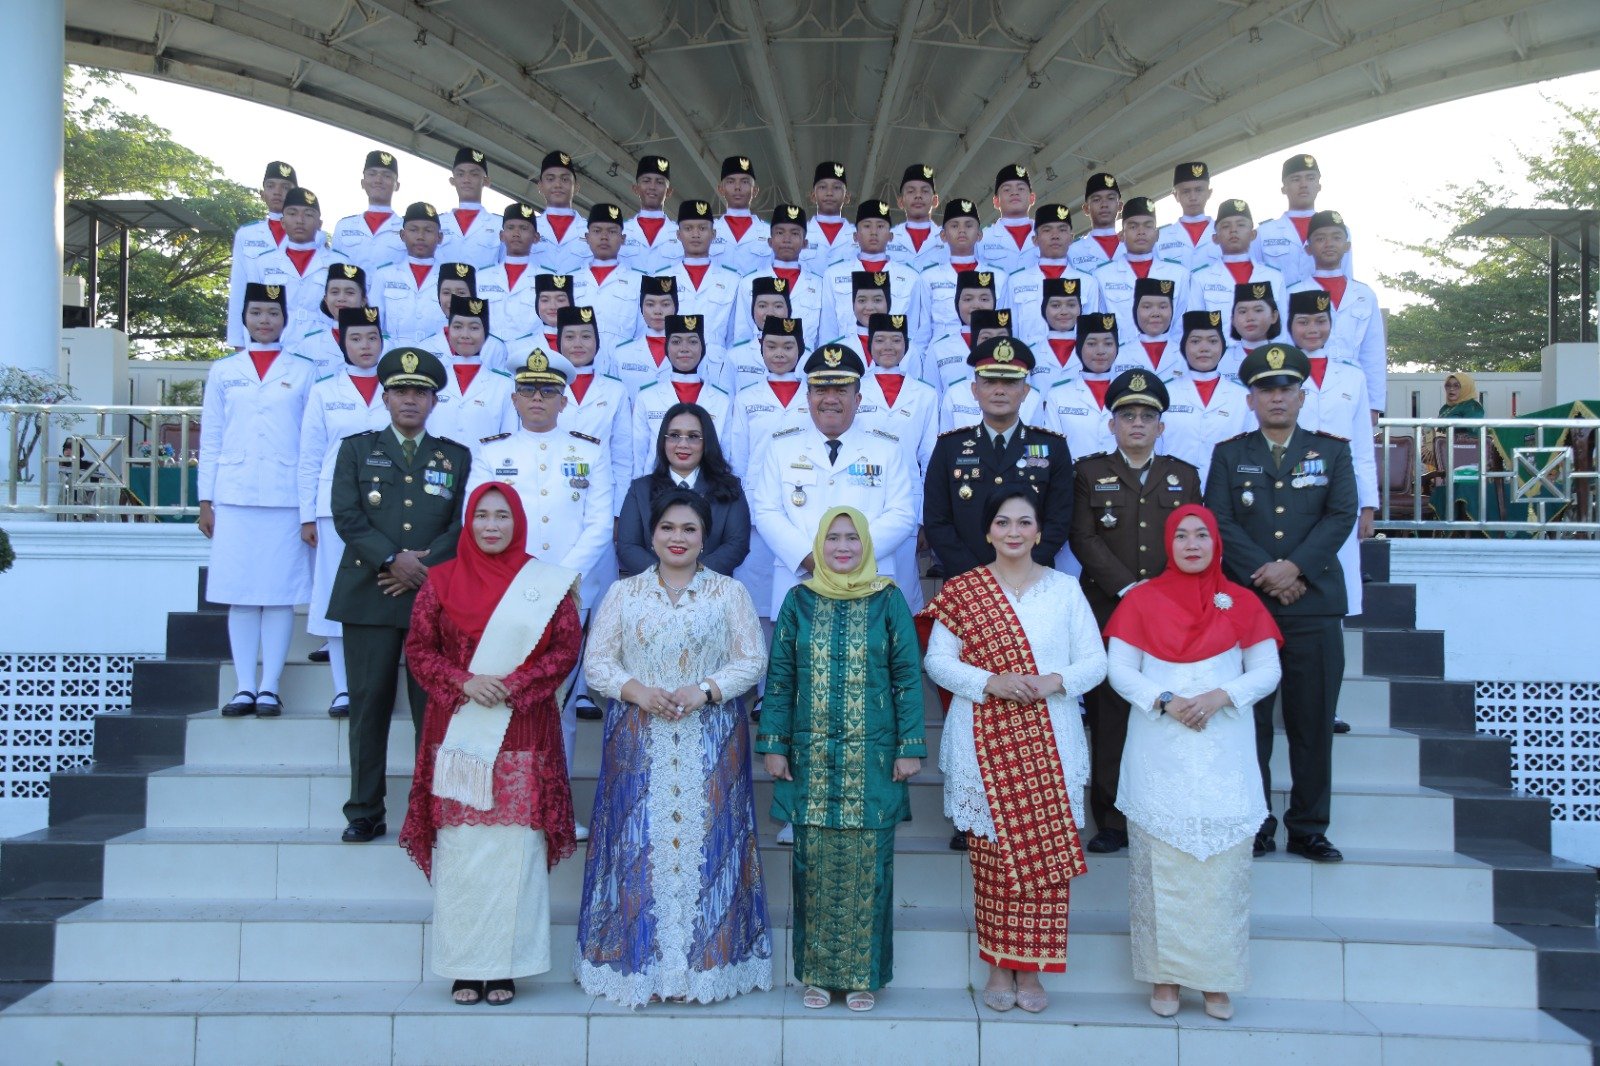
[705,686]
[1162,701]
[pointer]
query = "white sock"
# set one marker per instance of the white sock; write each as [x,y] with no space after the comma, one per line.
[341,680]
[277,626]
[244,637]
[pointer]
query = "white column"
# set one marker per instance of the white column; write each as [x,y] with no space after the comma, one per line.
[30,180]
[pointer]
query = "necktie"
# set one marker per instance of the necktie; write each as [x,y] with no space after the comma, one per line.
[683,484]
[1278,451]
[833,452]
[999,442]
[409,447]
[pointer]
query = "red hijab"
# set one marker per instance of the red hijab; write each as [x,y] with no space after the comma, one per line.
[469,586]
[1186,618]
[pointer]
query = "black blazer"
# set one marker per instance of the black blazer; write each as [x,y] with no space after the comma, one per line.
[725,548]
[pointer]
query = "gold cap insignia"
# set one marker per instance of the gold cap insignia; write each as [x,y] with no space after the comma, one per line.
[897,321]
[788,325]
[1323,301]
[1310,161]
[559,280]
[1338,219]
[964,205]
[1240,205]
[1275,357]
[477,156]
[538,361]
[744,164]
[1197,169]
[475,307]
[661,164]
[778,284]
[1137,383]
[701,208]
[526,210]
[612,210]
[1069,286]
[927,172]
[370,314]
[1003,352]
[1165,287]
[691,321]
[311,198]
[462,269]
[566,160]
[880,278]
[792,212]
[1022,172]
[883,208]
[1258,291]
[586,314]
[838,170]
[1003,318]
[984,278]
[274,291]
[385,158]
[666,284]
[350,269]
[1062,214]
[833,356]
[284,169]
[408,362]
[1108,180]
[1215,318]
[431,210]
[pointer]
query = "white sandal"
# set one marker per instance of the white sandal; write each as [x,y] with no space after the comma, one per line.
[860,1002]
[816,998]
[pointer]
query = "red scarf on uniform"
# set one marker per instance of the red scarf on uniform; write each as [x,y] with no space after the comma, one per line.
[470,585]
[1176,617]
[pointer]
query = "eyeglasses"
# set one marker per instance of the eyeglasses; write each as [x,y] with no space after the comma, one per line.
[548,392]
[685,438]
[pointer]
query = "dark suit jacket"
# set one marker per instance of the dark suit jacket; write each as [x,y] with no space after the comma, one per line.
[383,506]
[725,549]
[1133,547]
[965,459]
[1302,511]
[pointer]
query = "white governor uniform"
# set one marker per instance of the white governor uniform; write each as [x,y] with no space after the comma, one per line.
[913,418]
[797,485]
[756,415]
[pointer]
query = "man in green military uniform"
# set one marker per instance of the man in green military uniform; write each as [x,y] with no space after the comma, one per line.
[1285,501]
[397,509]
[1120,504]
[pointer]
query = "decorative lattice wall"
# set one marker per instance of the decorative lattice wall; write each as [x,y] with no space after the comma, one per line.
[1554,729]
[47,709]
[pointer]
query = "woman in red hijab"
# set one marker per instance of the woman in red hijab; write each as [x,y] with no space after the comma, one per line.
[494,633]
[1191,652]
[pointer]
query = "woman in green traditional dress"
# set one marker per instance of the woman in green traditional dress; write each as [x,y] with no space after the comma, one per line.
[842,730]
[1461,397]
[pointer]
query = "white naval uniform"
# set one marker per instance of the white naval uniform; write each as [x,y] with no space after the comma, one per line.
[1278,244]
[716,298]
[958,408]
[302,293]
[650,406]
[495,355]
[808,302]
[1359,334]
[1211,289]
[756,415]
[746,253]
[605,413]
[409,311]
[319,345]
[569,253]
[1116,281]
[1192,428]
[902,249]
[907,296]
[1087,257]
[513,308]
[999,246]
[249,241]
[367,248]
[820,253]
[797,485]
[939,285]
[249,453]
[1026,287]
[644,255]
[479,245]
[1072,411]
[484,410]
[1133,355]
[914,420]
[1173,242]
[334,410]
[615,301]
[1340,406]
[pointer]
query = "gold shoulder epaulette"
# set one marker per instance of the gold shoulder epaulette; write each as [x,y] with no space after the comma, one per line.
[490,440]
[584,436]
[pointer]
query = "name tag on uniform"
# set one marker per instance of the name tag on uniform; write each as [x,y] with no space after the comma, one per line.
[1107,488]
[234,383]
[379,460]
[505,471]
[1180,409]
[968,460]
[1247,470]
[339,407]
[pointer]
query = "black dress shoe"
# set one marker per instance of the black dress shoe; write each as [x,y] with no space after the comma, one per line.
[340,707]
[1264,843]
[587,710]
[1341,726]
[318,656]
[1316,847]
[243,703]
[363,830]
[270,708]
[959,841]
[1108,841]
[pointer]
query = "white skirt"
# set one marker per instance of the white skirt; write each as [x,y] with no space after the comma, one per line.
[325,567]
[491,903]
[258,558]
[1189,919]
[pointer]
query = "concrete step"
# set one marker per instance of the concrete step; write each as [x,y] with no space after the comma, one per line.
[412,1023]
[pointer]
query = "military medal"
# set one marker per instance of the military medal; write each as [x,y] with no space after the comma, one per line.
[374,497]
[1108,519]
[965,492]
[1247,498]
[1172,479]
[578,483]
[798,497]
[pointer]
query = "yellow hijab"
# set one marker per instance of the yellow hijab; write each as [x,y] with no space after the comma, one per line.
[1469,387]
[860,582]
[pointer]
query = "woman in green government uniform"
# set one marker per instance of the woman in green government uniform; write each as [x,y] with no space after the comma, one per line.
[842,729]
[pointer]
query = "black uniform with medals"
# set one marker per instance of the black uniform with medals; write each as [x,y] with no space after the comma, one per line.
[1299,507]
[965,467]
[383,505]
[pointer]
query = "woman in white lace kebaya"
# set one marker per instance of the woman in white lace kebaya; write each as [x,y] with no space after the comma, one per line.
[1188,650]
[1016,644]
[673,904]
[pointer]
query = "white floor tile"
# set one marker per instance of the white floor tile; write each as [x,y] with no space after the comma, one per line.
[78,1040]
[185,950]
[1223,1046]
[1439,974]
[305,1040]
[331,951]
[171,870]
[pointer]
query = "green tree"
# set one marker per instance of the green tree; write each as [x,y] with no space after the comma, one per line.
[1484,302]
[178,282]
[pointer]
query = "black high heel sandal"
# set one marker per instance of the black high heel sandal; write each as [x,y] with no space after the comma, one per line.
[491,987]
[474,987]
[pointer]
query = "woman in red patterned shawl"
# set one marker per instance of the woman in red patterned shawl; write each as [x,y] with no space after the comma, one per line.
[494,633]
[1016,644]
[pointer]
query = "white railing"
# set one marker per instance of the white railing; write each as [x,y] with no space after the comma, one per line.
[78,461]
[1496,476]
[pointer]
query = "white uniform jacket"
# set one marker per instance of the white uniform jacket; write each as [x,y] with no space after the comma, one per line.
[1116,282]
[478,245]
[334,410]
[484,410]
[907,296]
[1211,289]
[1087,257]
[615,301]
[1278,244]
[745,253]
[807,301]
[1072,411]
[513,309]
[647,256]
[250,430]
[367,248]
[902,249]
[605,413]
[302,293]
[249,241]
[1169,364]
[999,245]
[494,356]
[820,253]
[939,283]
[1173,242]
[319,345]
[756,415]
[1359,334]
[568,253]
[1193,427]
[1026,287]
[716,299]
[409,310]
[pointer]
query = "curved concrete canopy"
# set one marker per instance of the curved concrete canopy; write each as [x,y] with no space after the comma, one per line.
[1064,86]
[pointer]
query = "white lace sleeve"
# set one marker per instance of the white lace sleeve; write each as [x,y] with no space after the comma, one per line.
[603,663]
[944,665]
[1127,676]
[747,647]
[1088,667]
[1262,672]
